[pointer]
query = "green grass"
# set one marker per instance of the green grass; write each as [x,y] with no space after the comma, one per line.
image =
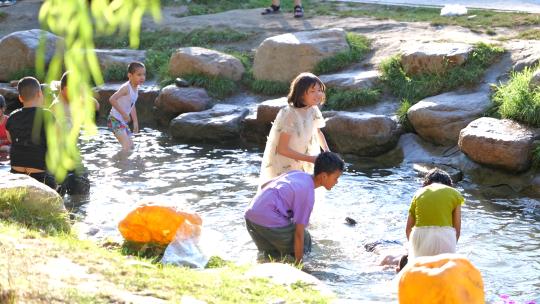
[225,283]
[402,115]
[15,208]
[414,88]
[115,72]
[160,45]
[516,100]
[24,73]
[358,47]
[3,15]
[218,87]
[483,21]
[340,99]
[536,157]
[532,34]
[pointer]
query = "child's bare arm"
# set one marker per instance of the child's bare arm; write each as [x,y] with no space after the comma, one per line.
[411,221]
[456,220]
[114,102]
[299,243]
[284,149]
[135,120]
[322,140]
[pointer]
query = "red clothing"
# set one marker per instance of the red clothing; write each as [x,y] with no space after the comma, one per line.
[3,136]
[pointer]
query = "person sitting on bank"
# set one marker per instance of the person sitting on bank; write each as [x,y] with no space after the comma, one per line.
[278,216]
[25,130]
[5,144]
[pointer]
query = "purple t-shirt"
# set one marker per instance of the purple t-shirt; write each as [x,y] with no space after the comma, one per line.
[286,199]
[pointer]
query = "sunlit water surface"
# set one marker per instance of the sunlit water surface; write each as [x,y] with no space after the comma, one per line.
[500,236]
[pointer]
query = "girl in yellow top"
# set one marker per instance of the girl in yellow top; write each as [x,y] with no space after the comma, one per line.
[295,139]
[434,222]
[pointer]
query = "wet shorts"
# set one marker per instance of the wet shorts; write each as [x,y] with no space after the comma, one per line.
[117,126]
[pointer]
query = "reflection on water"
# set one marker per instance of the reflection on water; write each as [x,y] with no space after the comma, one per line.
[500,236]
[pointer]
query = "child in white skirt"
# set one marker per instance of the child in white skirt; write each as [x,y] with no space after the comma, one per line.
[434,221]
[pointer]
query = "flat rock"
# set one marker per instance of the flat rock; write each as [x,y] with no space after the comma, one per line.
[253,131]
[352,80]
[18,51]
[362,134]
[524,53]
[439,119]
[498,143]
[287,275]
[204,61]
[145,102]
[173,101]
[222,123]
[535,80]
[268,110]
[433,57]
[283,57]
[118,57]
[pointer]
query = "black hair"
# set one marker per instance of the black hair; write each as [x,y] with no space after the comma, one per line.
[328,162]
[133,66]
[28,88]
[437,175]
[300,85]
[2,101]
[64,80]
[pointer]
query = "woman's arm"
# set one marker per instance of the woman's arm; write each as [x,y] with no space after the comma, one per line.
[135,120]
[411,221]
[284,149]
[322,140]
[114,102]
[299,243]
[456,220]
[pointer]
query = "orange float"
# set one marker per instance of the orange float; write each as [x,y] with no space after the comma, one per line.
[159,224]
[442,279]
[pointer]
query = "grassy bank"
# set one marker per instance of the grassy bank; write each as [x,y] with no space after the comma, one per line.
[42,269]
[159,46]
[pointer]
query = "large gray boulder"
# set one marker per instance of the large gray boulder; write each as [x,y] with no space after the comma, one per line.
[268,110]
[352,80]
[145,102]
[221,123]
[36,200]
[204,61]
[18,51]
[173,101]
[362,134]
[283,57]
[439,119]
[524,53]
[118,58]
[433,57]
[498,143]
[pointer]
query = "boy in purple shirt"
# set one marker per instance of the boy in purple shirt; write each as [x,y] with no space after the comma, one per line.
[277,216]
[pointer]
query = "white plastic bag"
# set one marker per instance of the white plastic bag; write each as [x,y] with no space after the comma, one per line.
[453,10]
[184,249]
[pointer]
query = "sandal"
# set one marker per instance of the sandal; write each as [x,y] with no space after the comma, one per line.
[273,9]
[298,11]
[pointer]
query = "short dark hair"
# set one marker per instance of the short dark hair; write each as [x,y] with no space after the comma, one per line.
[299,86]
[437,175]
[64,80]
[2,101]
[403,262]
[328,162]
[28,88]
[133,66]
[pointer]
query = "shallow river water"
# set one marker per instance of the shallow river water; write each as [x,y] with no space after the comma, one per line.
[500,236]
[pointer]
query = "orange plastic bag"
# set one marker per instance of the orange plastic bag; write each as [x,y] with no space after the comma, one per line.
[158,224]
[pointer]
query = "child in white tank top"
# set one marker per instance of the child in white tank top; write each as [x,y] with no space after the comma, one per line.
[123,106]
